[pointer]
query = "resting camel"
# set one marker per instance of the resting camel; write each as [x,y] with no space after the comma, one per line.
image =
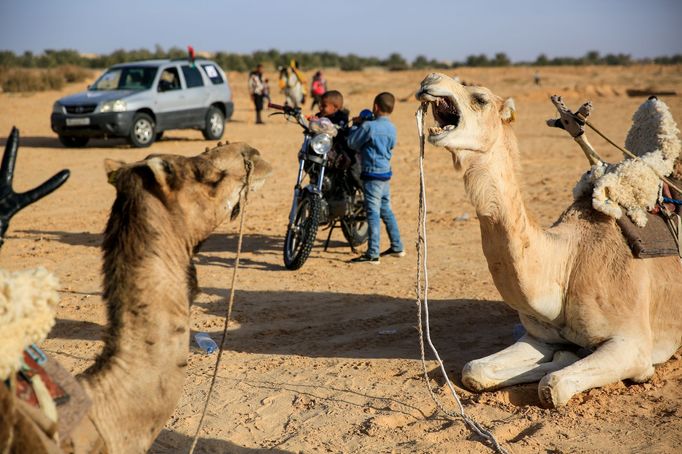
[573,285]
[165,206]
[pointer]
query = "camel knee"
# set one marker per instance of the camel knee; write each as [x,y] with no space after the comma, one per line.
[645,375]
[474,376]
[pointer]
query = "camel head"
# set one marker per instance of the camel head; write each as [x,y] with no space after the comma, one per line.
[468,118]
[197,193]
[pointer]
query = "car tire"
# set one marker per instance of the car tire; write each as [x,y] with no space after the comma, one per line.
[142,131]
[215,124]
[73,141]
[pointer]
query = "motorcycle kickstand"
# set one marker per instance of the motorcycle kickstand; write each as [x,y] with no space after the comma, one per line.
[329,237]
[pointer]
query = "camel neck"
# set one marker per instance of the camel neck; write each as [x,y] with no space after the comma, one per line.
[147,340]
[512,242]
[492,186]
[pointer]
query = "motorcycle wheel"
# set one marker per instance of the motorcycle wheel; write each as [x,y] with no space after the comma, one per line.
[354,227]
[301,235]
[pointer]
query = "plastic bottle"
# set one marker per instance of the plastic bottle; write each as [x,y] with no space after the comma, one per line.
[518,331]
[205,342]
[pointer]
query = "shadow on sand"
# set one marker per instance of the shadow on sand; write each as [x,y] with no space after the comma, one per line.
[114,142]
[169,442]
[71,238]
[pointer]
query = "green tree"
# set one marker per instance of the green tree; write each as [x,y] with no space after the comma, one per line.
[395,62]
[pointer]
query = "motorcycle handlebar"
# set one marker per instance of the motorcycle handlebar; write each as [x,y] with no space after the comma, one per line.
[292,111]
[276,106]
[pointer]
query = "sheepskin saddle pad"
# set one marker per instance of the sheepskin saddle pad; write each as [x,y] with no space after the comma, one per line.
[632,186]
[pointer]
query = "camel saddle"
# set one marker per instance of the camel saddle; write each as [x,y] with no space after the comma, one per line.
[662,235]
[24,411]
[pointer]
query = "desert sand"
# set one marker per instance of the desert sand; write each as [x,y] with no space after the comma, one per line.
[326,359]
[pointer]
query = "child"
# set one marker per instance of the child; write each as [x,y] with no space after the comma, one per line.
[331,106]
[375,140]
[317,89]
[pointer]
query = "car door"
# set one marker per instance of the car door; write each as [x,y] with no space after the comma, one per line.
[170,100]
[197,95]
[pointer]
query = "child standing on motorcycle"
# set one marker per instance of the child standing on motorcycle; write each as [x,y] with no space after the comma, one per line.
[375,140]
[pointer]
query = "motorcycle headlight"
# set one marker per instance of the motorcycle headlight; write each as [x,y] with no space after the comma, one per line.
[118,105]
[57,108]
[321,143]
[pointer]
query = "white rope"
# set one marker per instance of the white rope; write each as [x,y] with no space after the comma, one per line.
[244,198]
[422,289]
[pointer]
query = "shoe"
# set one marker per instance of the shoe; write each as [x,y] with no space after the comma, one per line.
[393,252]
[366,259]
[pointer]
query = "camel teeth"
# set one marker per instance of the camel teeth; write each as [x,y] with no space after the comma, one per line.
[449,127]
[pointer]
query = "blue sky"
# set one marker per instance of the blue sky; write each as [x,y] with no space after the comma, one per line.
[446,30]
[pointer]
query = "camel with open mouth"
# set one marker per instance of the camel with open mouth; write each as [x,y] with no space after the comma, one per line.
[573,285]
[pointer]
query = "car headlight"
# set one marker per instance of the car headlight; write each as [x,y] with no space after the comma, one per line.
[57,108]
[321,143]
[118,105]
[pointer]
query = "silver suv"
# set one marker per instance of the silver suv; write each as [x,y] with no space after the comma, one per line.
[141,100]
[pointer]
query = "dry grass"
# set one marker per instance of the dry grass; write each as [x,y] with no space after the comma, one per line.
[13,80]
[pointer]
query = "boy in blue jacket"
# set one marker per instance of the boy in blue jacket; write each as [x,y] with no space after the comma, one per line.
[375,140]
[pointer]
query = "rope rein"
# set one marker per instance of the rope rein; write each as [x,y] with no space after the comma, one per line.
[248,165]
[422,287]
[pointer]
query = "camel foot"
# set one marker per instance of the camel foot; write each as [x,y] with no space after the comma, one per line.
[527,361]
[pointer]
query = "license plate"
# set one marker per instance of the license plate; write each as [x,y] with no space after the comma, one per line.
[77,121]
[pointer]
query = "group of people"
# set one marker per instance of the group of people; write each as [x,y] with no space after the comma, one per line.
[372,138]
[293,84]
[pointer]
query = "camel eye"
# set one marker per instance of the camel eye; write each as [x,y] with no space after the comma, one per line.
[479,99]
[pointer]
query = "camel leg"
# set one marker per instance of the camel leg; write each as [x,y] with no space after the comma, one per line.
[615,360]
[526,361]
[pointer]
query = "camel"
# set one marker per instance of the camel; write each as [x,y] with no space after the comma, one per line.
[165,206]
[573,285]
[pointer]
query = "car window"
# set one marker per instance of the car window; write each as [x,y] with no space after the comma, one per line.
[192,76]
[213,74]
[127,78]
[169,80]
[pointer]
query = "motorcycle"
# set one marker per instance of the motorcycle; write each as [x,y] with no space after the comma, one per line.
[332,196]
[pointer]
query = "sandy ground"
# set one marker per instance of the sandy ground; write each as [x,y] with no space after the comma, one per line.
[326,359]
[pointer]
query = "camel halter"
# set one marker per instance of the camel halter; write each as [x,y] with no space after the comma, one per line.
[243,197]
[422,288]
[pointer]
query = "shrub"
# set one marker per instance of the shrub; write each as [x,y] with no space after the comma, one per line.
[16,80]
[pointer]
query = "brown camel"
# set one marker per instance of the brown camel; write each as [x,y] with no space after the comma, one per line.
[165,207]
[574,285]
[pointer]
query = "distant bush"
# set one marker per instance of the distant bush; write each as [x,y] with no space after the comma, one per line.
[52,59]
[15,80]
[72,74]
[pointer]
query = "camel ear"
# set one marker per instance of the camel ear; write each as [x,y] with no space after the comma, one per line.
[508,112]
[162,171]
[111,167]
[261,169]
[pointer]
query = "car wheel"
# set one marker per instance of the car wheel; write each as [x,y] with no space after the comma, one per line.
[215,124]
[74,142]
[142,132]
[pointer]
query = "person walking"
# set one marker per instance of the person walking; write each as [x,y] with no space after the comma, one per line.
[293,85]
[258,90]
[318,87]
[375,139]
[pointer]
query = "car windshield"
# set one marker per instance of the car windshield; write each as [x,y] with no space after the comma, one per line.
[126,78]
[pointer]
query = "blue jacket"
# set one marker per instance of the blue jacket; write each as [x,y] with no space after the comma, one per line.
[375,141]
